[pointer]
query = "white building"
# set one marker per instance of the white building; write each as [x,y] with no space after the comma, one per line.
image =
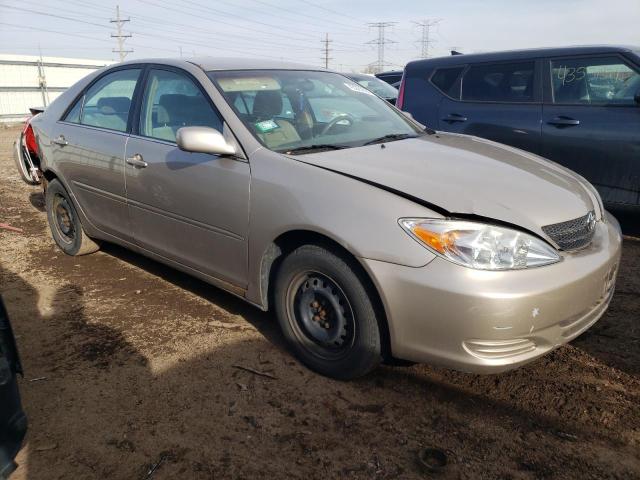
[32,81]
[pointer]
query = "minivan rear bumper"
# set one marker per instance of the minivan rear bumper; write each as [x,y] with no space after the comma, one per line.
[488,322]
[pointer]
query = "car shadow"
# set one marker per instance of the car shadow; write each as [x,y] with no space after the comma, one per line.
[102,403]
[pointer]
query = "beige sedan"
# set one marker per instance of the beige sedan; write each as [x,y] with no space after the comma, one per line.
[371,237]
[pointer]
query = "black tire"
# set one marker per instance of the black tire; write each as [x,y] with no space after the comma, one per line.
[326,313]
[64,222]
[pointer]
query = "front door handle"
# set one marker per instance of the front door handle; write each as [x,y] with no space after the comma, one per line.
[563,121]
[454,117]
[137,161]
[60,141]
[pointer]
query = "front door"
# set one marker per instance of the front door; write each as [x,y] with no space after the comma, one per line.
[88,146]
[591,123]
[499,101]
[191,208]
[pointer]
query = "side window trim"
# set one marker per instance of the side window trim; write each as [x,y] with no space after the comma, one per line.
[82,96]
[548,77]
[135,130]
[537,81]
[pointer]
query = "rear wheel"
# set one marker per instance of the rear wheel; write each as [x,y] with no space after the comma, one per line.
[326,313]
[64,222]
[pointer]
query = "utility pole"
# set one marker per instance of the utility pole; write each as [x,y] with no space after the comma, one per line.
[425,40]
[326,50]
[120,36]
[381,41]
[42,80]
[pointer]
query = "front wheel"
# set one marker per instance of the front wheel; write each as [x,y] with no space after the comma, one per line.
[327,314]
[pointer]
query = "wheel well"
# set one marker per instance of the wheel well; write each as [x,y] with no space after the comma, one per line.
[49,176]
[288,242]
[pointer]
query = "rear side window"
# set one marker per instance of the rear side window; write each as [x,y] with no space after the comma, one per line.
[501,82]
[445,80]
[73,115]
[594,81]
[107,103]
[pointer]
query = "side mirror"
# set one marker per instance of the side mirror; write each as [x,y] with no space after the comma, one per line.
[203,140]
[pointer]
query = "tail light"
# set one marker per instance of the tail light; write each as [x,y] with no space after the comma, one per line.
[400,100]
[30,138]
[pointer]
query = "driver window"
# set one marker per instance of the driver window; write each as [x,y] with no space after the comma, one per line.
[172,101]
[602,80]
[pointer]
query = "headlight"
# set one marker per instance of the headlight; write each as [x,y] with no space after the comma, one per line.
[480,245]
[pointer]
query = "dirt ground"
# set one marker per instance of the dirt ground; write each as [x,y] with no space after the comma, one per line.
[131,366]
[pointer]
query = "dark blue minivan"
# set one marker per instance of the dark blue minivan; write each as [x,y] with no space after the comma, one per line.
[578,106]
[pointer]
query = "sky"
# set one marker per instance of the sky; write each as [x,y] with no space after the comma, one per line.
[293,30]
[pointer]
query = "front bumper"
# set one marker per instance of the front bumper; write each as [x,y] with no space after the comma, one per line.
[488,322]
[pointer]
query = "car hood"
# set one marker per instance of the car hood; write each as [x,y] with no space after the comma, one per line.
[467,175]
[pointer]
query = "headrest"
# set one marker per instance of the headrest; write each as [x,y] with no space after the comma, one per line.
[267,104]
[113,105]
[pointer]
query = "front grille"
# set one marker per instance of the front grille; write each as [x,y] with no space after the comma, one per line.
[573,234]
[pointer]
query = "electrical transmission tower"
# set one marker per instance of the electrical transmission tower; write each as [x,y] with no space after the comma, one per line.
[120,36]
[326,50]
[381,41]
[426,40]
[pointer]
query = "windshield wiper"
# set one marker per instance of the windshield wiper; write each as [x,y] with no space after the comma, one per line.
[315,148]
[391,136]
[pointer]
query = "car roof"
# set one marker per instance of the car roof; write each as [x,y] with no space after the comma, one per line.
[522,54]
[228,63]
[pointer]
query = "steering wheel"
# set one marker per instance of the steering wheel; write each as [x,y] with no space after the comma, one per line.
[332,123]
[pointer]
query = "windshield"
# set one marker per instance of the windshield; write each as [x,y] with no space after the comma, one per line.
[289,110]
[377,86]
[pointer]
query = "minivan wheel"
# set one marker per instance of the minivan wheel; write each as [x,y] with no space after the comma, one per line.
[64,222]
[326,313]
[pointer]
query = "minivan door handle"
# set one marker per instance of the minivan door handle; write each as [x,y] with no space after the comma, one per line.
[60,141]
[563,121]
[454,117]
[137,161]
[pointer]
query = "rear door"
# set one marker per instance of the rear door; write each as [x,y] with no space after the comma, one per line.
[13,422]
[191,208]
[499,101]
[591,122]
[88,147]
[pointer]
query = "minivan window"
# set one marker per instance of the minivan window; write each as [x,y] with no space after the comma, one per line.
[589,81]
[500,82]
[108,101]
[171,101]
[445,80]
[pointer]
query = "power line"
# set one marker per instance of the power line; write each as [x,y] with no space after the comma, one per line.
[426,40]
[120,36]
[326,50]
[329,10]
[381,41]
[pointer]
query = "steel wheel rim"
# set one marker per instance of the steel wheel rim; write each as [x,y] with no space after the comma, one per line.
[63,219]
[321,315]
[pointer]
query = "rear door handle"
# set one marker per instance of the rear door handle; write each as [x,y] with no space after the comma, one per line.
[454,117]
[563,121]
[60,141]
[137,161]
